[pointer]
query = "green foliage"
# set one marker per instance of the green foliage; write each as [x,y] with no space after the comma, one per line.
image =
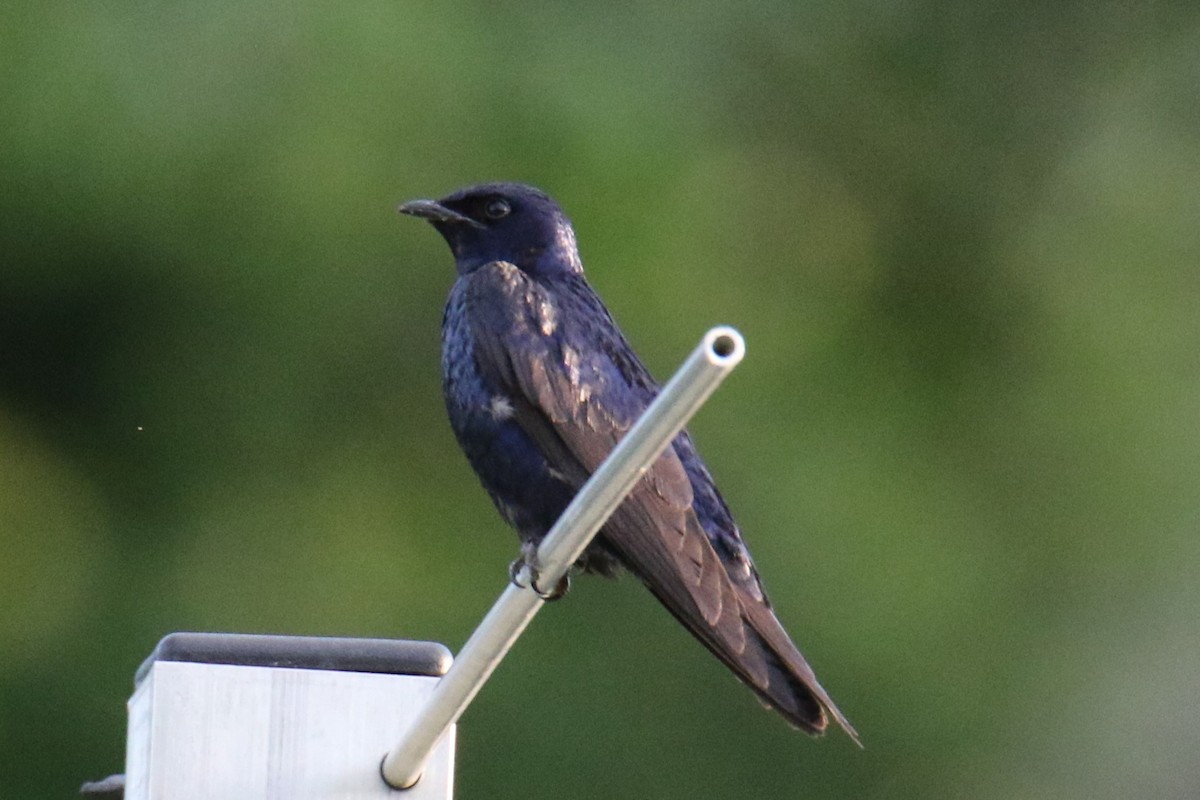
[961,242]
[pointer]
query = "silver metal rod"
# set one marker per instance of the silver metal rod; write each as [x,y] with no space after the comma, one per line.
[715,357]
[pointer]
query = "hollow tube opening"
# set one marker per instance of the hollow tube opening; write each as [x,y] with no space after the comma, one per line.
[725,346]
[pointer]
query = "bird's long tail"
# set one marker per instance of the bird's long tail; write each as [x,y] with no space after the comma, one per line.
[736,623]
[723,605]
[790,686]
[750,641]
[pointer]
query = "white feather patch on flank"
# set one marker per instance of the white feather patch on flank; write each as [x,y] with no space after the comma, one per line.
[501,408]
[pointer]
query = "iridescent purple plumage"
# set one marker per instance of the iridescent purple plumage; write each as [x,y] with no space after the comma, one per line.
[540,384]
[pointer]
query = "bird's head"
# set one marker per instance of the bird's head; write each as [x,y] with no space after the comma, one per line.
[502,222]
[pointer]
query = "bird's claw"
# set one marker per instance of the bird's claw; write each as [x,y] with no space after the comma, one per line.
[557,593]
[528,561]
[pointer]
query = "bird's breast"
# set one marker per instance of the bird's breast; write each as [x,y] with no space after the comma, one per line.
[528,492]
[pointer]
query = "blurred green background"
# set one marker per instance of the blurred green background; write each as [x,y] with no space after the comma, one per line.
[961,241]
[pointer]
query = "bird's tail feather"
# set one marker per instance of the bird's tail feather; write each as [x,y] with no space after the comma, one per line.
[741,630]
[732,619]
[791,687]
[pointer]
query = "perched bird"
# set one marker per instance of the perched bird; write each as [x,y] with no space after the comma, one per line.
[540,384]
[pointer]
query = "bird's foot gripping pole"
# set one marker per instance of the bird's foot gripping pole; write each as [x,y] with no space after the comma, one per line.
[714,358]
[525,571]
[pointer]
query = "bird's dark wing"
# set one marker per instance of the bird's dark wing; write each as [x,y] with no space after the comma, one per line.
[576,388]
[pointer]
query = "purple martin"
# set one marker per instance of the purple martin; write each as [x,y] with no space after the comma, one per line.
[540,384]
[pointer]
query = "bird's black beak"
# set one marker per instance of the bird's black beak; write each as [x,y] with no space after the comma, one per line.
[435,212]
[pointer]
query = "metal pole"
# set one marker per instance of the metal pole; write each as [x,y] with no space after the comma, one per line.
[717,354]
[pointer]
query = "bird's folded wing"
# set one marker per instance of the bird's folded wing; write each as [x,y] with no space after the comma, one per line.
[576,402]
[576,388]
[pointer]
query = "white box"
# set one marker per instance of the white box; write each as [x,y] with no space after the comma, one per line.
[217,731]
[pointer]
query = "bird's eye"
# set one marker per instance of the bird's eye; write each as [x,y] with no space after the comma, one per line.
[497,208]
